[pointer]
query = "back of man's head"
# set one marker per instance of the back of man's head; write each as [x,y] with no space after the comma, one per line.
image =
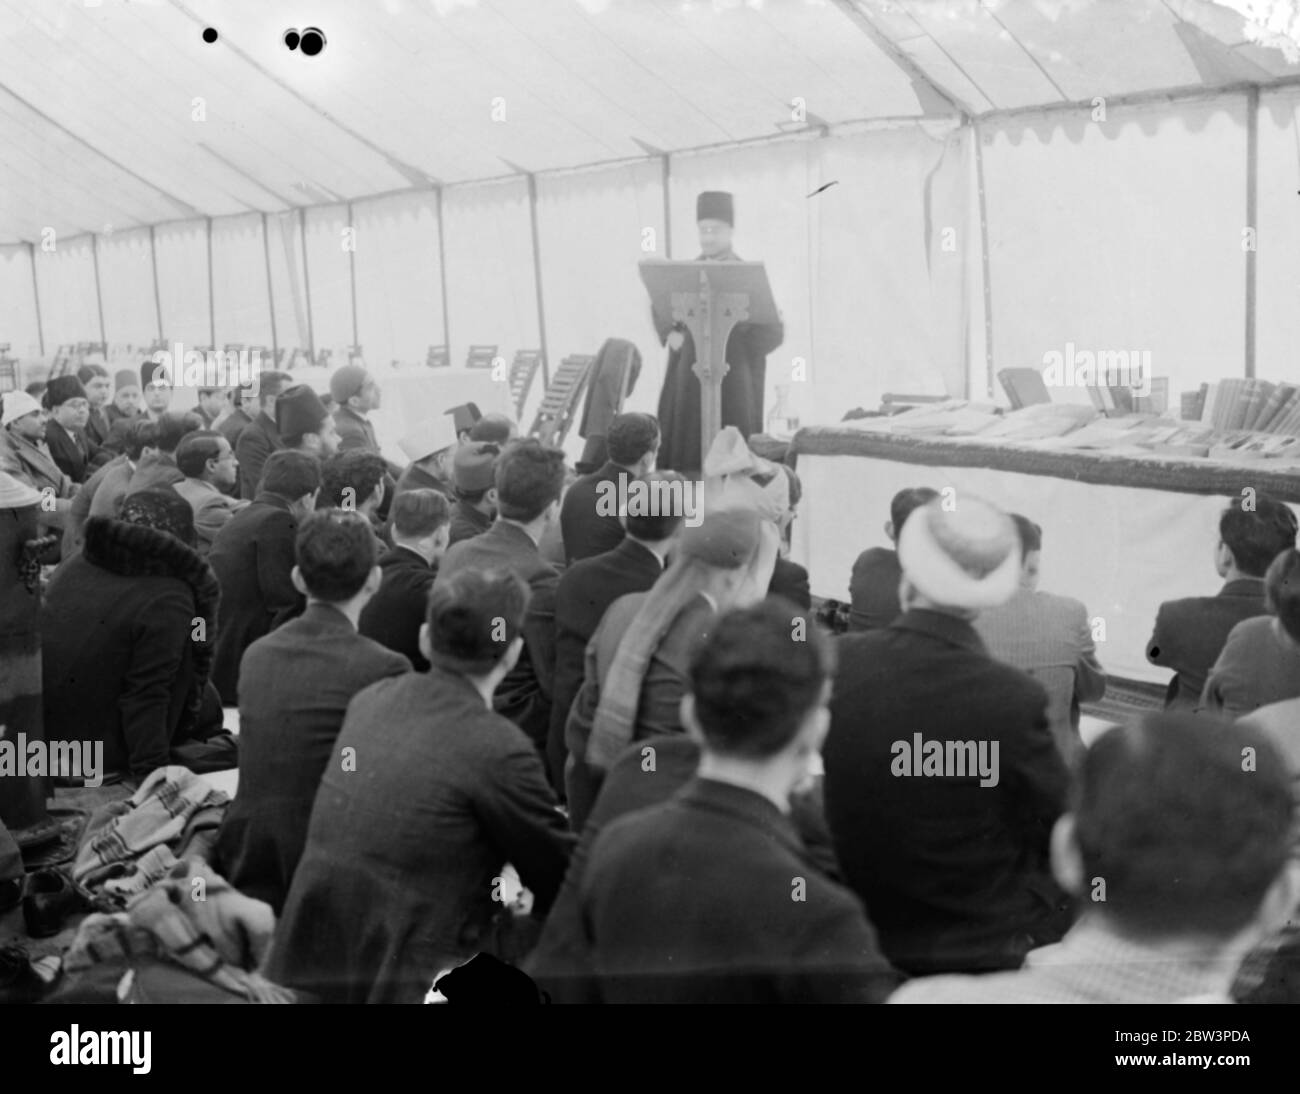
[754,682]
[290,474]
[529,477]
[141,433]
[631,436]
[473,617]
[1185,819]
[905,502]
[172,428]
[357,471]
[493,428]
[1031,535]
[417,514]
[657,522]
[1257,535]
[335,552]
[194,451]
[269,386]
[1282,591]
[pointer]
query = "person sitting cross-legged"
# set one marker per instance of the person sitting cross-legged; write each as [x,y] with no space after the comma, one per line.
[294,688]
[208,463]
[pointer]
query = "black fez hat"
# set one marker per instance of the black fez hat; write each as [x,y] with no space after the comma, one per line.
[298,410]
[715,205]
[464,416]
[61,389]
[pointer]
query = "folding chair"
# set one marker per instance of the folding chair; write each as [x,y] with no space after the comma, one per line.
[481,356]
[8,369]
[555,415]
[522,371]
[438,357]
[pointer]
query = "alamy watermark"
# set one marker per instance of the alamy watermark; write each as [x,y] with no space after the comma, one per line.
[945,759]
[653,498]
[1104,368]
[212,369]
[82,760]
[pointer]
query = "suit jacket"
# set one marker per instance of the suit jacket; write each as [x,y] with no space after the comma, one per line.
[524,696]
[1259,666]
[790,580]
[467,522]
[155,471]
[955,873]
[98,426]
[585,529]
[666,680]
[256,442]
[873,589]
[1190,633]
[354,431]
[396,881]
[723,859]
[560,961]
[70,450]
[585,590]
[235,423]
[1049,637]
[294,688]
[253,558]
[212,509]
[119,468]
[400,606]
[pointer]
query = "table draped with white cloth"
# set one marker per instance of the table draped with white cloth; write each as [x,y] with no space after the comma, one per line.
[1120,533]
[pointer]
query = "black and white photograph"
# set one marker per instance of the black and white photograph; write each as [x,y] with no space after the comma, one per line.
[651,501]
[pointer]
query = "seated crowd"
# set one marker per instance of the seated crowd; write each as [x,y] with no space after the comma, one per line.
[473,662]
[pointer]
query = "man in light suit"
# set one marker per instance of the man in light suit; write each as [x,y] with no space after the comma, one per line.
[529,477]
[942,779]
[294,688]
[210,468]
[1048,637]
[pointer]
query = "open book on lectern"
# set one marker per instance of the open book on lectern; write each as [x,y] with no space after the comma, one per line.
[664,277]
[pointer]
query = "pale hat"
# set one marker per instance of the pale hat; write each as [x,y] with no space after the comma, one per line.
[433,435]
[16,494]
[968,557]
[17,404]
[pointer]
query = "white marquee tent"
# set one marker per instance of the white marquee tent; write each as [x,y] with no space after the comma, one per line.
[939,188]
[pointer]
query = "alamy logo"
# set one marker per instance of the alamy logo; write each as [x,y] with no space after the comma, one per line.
[217,369]
[657,498]
[78,1046]
[62,759]
[1107,367]
[945,759]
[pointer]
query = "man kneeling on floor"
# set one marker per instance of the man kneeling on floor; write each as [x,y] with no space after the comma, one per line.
[1176,848]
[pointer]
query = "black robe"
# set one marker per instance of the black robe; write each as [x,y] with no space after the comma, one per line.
[742,387]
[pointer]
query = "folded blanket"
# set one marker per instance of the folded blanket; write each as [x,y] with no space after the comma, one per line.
[129,845]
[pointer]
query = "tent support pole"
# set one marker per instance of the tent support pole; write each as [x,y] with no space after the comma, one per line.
[666,164]
[212,306]
[1252,217]
[352,275]
[36,298]
[984,259]
[306,282]
[99,294]
[537,278]
[442,278]
[157,296]
[270,292]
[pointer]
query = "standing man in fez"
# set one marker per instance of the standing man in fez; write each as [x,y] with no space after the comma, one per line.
[156,382]
[95,379]
[304,424]
[260,437]
[747,350]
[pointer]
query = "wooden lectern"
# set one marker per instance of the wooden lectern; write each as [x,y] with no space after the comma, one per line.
[709,298]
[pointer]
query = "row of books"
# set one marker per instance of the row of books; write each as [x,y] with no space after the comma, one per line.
[1261,406]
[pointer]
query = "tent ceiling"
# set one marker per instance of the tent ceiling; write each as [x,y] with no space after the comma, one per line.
[99,102]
